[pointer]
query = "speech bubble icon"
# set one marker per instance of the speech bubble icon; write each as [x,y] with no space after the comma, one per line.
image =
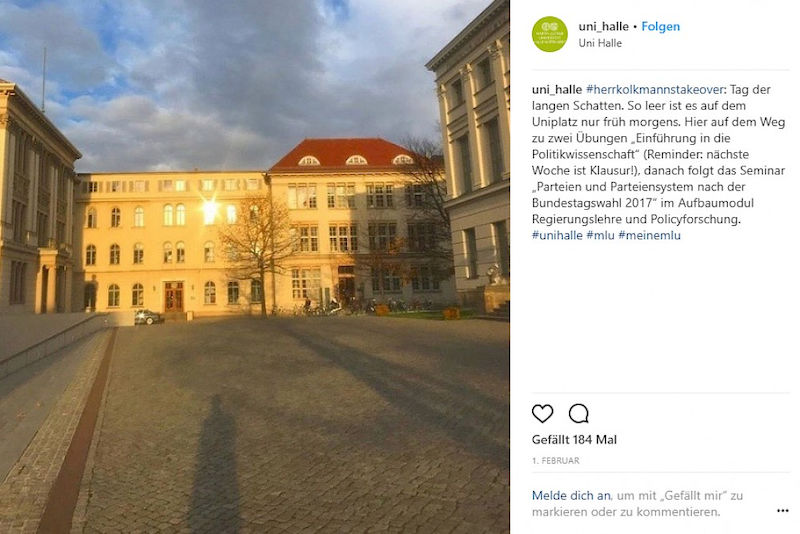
[579,413]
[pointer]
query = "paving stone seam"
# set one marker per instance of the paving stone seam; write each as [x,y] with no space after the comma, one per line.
[24,492]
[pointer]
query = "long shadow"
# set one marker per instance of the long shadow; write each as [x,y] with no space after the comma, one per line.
[468,417]
[215,494]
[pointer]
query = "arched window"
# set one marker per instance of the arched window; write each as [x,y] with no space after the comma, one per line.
[113,296]
[256,291]
[138,217]
[356,160]
[180,252]
[91,255]
[210,293]
[402,159]
[138,253]
[308,160]
[208,252]
[116,217]
[137,295]
[233,292]
[180,215]
[168,215]
[167,252]
[113,254]
[91,218]
[230,214]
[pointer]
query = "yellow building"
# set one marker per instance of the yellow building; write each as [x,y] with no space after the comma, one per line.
[36,208]
[473,76]
[150,239]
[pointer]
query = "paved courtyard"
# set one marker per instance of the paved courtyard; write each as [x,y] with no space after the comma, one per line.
[329,424]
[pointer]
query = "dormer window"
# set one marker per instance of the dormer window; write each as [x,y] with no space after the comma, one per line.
[308,160]
[356,160]
[402,159]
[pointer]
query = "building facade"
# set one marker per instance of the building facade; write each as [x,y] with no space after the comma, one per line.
[151,240]
[37,182]
[473,85]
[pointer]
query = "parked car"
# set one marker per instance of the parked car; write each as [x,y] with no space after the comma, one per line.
[147,317]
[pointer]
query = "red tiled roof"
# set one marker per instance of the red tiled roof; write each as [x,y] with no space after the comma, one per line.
[333,153]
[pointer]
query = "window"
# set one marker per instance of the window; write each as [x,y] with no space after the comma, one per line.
[252,184]
[356,160]
[341,195]
[209,212]
[180,215]
[180,252]
[230,214]
[343,237]
[115,186]
[302,196]
[17,286]
[484,71]
[496,164]
[415,195]
[308,160]
[180,185]
[385,280]
[307,239]
[167,252]
[91,218]
[421,236]
[210,293]
[403,159]
[91,187]
[230,184]
[18,210]
[233,292]
[305,283]
[113,255]
[167,185]
[381,235]
[91,255]
[502,247]
[138,217]
[379,195]
[231,253]
[137,295]
[140,186]
[168,215]
[113,296]
[207,185]
[471,250]
[456,94]
[208,252]
[138,253]
[116,217]
[466,164]
[256,291]
[423,280]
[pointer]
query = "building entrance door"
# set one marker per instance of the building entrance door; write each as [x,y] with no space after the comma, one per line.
[346,289]
[173,297]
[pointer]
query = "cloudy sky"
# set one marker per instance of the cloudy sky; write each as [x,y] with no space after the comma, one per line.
[184,84]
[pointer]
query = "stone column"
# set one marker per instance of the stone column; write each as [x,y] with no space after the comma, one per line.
[52,278]
[476,156]
[503,112]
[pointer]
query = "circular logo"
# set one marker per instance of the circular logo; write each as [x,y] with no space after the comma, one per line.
[549,34]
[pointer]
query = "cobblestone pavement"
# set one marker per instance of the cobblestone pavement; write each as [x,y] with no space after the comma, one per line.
[329,424]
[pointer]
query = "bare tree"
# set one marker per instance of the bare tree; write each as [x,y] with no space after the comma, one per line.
[425,195]
[258,241]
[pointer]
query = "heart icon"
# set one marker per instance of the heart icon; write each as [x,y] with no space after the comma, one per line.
[542,412]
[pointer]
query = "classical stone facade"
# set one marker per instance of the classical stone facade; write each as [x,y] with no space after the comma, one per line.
[37,181]
[151,239]
[473,84]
